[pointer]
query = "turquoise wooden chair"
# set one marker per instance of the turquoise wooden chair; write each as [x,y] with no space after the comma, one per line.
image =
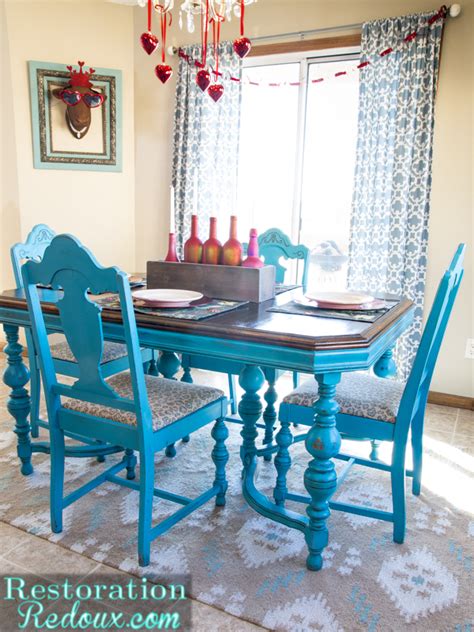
[380,409]
[114,357]
[132,410]
[274,246]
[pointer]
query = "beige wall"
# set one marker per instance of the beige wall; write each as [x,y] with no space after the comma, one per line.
[452,201]
[96,206]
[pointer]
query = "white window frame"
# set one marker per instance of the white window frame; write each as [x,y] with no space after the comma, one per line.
[305,60]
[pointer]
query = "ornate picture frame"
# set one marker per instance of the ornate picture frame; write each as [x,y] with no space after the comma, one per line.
[54,146]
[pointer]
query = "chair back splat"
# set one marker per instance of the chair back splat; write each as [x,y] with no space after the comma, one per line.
[70,267]
[415,394]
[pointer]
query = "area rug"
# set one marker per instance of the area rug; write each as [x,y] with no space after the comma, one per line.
[255,569]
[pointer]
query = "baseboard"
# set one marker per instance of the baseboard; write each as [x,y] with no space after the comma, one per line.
[441,399]
[456,401]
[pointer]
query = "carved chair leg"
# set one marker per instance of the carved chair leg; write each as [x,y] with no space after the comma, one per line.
[220,456]
[284,439]
[131,460]
[374,453]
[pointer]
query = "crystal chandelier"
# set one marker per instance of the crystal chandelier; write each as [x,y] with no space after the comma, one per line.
[218,10]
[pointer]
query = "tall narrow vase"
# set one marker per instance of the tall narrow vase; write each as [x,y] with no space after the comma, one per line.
[212,249]
[172,256]
[232,250]
[193,246]
[253,260]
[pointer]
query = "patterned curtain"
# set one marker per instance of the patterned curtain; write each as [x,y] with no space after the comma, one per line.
[206,144]
[390,210]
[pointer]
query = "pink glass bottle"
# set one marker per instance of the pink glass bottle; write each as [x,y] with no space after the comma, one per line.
[172,256]
[253,260]
[193,246]
[232,250]
[212,248]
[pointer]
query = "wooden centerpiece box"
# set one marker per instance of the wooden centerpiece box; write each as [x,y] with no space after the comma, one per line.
[233,283]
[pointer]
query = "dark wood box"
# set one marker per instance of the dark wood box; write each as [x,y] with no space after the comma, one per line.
[227,282]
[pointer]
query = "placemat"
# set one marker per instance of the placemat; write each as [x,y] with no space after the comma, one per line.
[205,308]
[281,287]
[369,316]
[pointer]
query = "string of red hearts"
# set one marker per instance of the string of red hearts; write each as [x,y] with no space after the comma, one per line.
[441,14]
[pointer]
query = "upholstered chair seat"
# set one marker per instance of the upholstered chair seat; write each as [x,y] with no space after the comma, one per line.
[358,394]
[169,400]
[112,351]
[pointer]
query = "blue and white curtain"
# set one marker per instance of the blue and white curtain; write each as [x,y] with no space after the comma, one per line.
[206,144]
[391,202]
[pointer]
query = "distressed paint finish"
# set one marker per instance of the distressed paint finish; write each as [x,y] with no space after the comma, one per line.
[16,377]
[323,442]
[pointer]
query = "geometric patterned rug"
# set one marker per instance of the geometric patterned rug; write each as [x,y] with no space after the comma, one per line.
[255,569]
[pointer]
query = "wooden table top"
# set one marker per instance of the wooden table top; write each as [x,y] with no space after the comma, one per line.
[252,323]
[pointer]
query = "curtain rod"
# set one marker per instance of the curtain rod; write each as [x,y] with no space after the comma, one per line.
[453,11]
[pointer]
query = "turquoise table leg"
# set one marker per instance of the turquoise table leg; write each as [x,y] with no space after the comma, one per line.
[284,439]
[385,365]
[251,380]
[269,414]
[16,376]
[168,366]
[323,442]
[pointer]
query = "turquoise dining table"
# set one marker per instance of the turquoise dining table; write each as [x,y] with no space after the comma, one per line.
[251,339]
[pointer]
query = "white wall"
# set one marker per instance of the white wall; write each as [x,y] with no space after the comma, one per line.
[96,206]
[452,201]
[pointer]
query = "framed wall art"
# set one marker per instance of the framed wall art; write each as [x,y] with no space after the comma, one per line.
[76,116]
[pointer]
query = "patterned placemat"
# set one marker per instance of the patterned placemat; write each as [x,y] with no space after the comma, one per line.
[366,316]
[205,308]
[281,287]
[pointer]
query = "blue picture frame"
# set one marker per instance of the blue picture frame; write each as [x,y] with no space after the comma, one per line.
[109,81]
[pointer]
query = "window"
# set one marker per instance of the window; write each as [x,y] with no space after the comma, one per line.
[297,153]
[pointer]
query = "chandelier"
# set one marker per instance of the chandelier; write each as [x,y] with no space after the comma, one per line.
[210,14]
[192,8]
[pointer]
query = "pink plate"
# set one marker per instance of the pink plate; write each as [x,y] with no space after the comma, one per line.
[162,304]
[375,304]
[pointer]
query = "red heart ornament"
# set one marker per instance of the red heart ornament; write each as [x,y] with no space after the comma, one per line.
[242,46]
[163,72]
[203,79]
[215,91]
[149,42]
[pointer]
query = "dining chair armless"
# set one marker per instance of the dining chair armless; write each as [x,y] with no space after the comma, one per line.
[114,358]
[140,413]
[378,409]
[274,246]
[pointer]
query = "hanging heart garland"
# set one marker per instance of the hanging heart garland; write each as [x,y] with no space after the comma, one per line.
[163,71]
[217,89]
[242,45]
[148,40]
[203,77]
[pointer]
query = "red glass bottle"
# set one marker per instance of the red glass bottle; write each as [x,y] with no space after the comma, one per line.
[172,256]
[212,248]
[232,250]
[253,260]
[193,246]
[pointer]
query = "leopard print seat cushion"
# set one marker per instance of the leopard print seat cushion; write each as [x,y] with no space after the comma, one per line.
[112,351]
[358,394]
[169,400]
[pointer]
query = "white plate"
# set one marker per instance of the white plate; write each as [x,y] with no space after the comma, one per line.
[167,296]
[340,298]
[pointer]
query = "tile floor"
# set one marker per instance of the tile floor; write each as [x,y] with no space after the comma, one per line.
[19,551]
